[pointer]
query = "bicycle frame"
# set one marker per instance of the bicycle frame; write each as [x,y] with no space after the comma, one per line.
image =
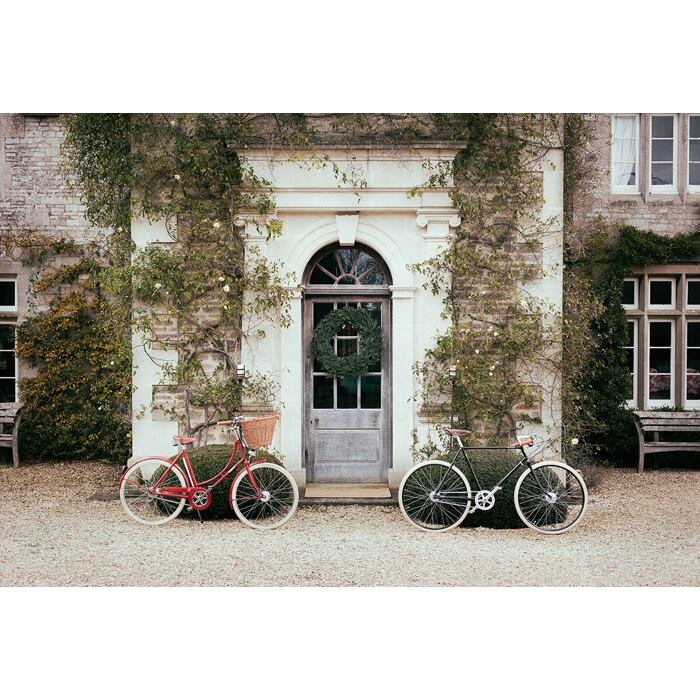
[190,476]
[462,449]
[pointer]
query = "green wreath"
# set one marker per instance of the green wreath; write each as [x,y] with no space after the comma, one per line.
[370,342]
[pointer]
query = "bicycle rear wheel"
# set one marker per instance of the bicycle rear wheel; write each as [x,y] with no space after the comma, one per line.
[431,509]
[276,505]
[146,508]
[551,498]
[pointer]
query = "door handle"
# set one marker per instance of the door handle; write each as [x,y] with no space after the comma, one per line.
[316,421]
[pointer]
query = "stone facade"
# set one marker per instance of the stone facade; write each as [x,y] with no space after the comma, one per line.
[34,195]
[665,214]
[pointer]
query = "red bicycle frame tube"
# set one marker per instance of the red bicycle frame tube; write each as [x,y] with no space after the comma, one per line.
[191,477]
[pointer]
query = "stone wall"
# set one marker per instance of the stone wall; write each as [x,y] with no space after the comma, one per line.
[665,214]
[34,195]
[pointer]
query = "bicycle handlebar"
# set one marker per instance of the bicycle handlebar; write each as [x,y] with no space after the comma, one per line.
[230,421]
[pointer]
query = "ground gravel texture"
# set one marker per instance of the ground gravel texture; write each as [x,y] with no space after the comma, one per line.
[640,530]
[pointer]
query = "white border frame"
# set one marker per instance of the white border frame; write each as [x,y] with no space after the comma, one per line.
[624,189]
[5,278]
[674,294]
[664,189]
[633,402]
[634,305]
[692,189]
[14,325]
[661,403]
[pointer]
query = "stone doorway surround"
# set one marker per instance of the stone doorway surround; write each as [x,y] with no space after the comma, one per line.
[317,212]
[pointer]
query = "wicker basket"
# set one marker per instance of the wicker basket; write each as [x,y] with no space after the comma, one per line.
[258,432]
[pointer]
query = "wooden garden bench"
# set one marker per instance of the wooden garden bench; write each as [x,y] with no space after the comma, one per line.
[10,416]
[657,422]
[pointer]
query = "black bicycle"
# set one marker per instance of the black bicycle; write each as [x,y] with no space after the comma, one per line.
[550,497]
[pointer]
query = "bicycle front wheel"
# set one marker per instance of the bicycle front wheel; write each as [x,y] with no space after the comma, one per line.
[435,496]
[551,498]
[144,507]
[272,504]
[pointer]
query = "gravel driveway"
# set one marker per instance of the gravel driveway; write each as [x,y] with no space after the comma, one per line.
[639,530]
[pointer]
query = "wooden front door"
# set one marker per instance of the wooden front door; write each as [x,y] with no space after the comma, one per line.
[347,419]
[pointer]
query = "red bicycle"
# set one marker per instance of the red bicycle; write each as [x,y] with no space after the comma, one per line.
[263,495]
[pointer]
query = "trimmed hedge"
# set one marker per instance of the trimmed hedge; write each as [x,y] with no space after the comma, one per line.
[207,462]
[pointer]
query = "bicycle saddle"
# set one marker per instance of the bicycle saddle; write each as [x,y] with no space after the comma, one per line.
[456,432]
[182,440]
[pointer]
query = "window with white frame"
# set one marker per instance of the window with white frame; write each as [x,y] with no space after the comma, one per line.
[630,293]
[662,293]
[663,153]
[8,364]
[694,153]
[8,294]
[692,364]
[625,153]
[692,299]
[631,356]
[661,363]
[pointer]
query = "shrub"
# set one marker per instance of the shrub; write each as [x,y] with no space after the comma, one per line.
[207,462]
[491,466]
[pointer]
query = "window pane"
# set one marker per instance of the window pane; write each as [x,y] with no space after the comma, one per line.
[346,347]
[7,337]
[7,293]
[321,310]
[695,150]
[661,292]
[323,392]
[693,385]
[662,173]
[662,150]
[318,276]
[694,174]
[628,292]
[371,391]
[624,127]
[695,127]
[694,292]
[624,173]
[662,127]
[629,352]
[347,392]
[7,364]
[694,334]
[660,334]
[630,334]
[694,360]
[659,386]
[660,361]
[7,391]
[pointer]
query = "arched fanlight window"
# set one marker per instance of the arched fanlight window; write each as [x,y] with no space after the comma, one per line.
[348,266]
